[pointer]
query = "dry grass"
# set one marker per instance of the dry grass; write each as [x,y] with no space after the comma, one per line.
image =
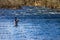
[18,3]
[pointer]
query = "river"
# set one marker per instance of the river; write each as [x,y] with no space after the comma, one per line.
[35,23]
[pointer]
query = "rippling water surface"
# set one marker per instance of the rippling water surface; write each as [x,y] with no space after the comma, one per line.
[35,23]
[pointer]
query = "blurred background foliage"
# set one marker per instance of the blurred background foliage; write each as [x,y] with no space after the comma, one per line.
[18,3]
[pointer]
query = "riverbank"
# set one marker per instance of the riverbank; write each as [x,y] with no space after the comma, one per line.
[16,4]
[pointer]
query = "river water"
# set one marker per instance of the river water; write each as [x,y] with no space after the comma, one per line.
[35,23]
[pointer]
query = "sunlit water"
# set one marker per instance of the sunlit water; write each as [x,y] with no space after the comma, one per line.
[35,23]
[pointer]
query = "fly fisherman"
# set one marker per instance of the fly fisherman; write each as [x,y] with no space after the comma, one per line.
[16,21]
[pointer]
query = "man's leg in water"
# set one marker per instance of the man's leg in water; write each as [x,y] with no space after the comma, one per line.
[16,24]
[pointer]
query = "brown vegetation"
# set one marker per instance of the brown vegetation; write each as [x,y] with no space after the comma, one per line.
[18,3]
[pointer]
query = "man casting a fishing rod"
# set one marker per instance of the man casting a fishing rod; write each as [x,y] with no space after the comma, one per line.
[16,21]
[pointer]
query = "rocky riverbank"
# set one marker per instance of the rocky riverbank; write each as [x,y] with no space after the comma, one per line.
[16,4]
